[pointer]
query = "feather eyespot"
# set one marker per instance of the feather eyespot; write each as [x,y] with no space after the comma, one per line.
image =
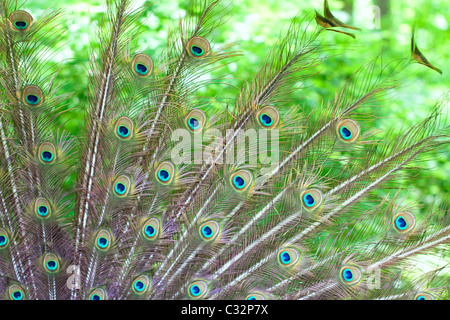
[141,284]
[42,207]
[404,222]
[32,96]
[195,120]
[238,182]
[16,292]
[43,211]
[98,294]
[122,186]
[32,99]
[198,47]
[103,240]
[351,275]
[141,68]
[47,156]
[288,257]
[123,131]
[241,180]
[424,296]
[347,274]
[3,241]
[20,20]
[163,175]
[124,128]
[4,238]
[209,230]
[20,25]
[142,65]
[256,296]
[165,172]
[311,198]
[150,230]
[47,153]
[348,130]
[198,289]
[51,263]
[268,117]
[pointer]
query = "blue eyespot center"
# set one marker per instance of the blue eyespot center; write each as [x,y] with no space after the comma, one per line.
[285,257]
[141,69]
[195,290]
[17,295]
[239,182]
[51,265]
[3,240]
[139,286]
[401,223]
[42,210]
[347,274]
[421,298]
[164,175]
[207,231]
[251,298]
[196,50]
[120,188]
[345,133]
[47,156]
[102,242]
[309,200]
[96,297]
[266,120]
[32,99]
[20,24]
[150,231]
[123,131]
[194,123]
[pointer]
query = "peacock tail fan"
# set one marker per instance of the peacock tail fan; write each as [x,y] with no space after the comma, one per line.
[183,182]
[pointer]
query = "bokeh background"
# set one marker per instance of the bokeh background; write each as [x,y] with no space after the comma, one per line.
[255,26]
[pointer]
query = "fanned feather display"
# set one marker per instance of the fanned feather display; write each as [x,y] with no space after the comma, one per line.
[180,196]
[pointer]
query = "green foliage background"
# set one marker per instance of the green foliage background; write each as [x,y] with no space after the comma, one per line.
[255,26]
